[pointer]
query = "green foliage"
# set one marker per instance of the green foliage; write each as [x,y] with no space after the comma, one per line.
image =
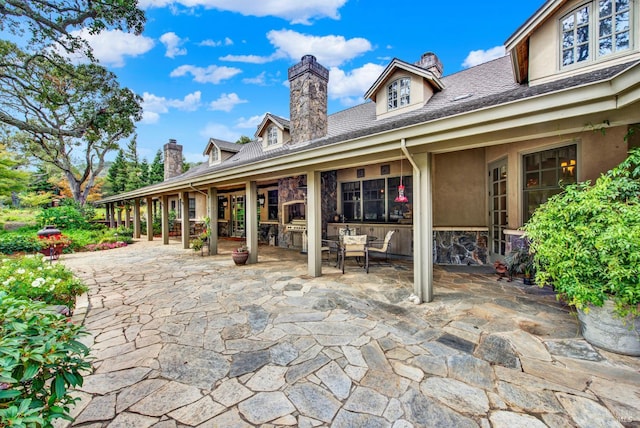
[41,359]
[63,217]
[243,140]
[117,174]
[36,200]
[11,178]
[586,240]
[520,261]
[156,173]
[36,278]
[19,242]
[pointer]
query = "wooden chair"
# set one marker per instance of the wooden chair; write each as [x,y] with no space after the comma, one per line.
[354,246]
[386,245]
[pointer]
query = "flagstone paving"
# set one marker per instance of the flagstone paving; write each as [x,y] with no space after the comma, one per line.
[181,340]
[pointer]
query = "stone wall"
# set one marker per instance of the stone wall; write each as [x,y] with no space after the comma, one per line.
[454,247]
[308,100]
[172,159]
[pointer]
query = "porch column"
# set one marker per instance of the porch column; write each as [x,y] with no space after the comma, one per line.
[185,219]
[149,219]
[165,219]
[422,228]
[118,217]
[136,218]
[251,220]
[127,211]
[112,215]
[314,224]
[107,214]
[212,200]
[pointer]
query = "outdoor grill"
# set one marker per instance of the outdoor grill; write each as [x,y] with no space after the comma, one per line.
[295,223]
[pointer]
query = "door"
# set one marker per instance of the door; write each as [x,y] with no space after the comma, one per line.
[498,207]
[237,216]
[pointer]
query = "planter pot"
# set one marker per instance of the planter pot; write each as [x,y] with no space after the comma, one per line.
[604,329]
[240,258]
[55,254]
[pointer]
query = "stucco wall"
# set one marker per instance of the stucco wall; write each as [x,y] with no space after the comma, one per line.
[420,92]
[459,195]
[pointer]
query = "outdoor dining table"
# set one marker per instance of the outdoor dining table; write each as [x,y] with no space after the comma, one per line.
[335,241]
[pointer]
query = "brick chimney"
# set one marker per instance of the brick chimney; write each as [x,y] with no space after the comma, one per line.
[308,100]
[172,159]
[429,61]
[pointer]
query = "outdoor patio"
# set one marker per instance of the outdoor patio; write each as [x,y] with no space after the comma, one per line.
[184,340]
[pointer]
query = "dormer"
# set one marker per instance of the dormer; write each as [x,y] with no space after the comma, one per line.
[273,131]
[568,38]
[219,150]
[404,87]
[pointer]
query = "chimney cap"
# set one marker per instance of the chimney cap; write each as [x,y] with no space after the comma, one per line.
[308,63]
[430,61]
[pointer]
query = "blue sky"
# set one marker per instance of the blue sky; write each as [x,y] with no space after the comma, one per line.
[212,68]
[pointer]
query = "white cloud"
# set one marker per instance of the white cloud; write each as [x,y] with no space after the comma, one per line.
[482,56]
[350,87]
[173,44]
[250,59]
[294,11]
[260,79]
[226,102]
[212,74]
[252,122]
[218,130]
[213,43]
[111,47]
[330,51]
[153,106]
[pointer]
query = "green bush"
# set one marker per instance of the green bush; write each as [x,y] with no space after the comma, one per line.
[18,242]
[41,359]
[36,278]
[63,217]
[586,240]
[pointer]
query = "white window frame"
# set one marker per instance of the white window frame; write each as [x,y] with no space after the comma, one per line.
[593,33]
[399,93]
[272,135]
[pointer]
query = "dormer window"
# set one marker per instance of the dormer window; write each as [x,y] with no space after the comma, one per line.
[272,135]
[604,21]
[214,154]
[398,93]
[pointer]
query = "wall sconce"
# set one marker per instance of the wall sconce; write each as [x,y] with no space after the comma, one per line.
[224,202]
[261,200]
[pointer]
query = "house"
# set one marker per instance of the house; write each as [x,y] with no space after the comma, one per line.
[477,151]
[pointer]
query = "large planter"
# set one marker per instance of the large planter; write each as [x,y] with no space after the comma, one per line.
[604,329]
[240,257]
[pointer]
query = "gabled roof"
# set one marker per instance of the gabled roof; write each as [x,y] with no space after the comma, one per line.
[397,64]
[280,122]
[223,145]
[518,44]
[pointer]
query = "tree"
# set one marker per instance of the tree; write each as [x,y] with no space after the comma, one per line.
[156,174]
[54,95]
[117,173]
[243,140]
[11,179]
[144,172]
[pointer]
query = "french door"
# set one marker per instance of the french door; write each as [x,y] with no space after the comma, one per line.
[498,207]
[237,216]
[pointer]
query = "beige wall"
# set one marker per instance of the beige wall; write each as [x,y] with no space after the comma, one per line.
[597,153]
[459,195]
[544,49]
[420,93]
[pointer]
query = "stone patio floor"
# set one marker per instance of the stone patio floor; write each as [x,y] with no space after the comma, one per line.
[181,340]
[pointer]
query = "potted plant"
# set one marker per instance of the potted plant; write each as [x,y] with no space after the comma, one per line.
[240,255]
[197,244]
[586,243]
[520,262]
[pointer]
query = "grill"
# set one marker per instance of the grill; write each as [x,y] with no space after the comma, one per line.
[298,229]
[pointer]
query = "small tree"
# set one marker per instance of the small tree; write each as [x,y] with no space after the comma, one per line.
[156,175]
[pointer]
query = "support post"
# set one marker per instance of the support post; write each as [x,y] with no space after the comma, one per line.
[422,228]
[136,218]
[212,199]
[150,205]
[185,219]
[118,217]
[127,211]
[251,220]
[112,214]
[165,219]
[314,224]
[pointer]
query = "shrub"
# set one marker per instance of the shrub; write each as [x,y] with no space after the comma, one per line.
[36,278]
[17,242]
[586,240]
[63,217]
[40,360]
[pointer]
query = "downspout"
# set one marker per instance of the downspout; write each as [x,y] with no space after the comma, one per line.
[199,191]
[415,298]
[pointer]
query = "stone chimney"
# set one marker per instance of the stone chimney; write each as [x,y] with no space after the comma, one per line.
[429,61]
[308,100]
[172,159]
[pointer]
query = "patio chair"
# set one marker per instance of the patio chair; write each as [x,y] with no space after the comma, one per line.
[386,245]
[354,246]
[343,231]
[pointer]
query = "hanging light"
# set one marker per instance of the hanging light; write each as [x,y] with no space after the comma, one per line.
[401,196]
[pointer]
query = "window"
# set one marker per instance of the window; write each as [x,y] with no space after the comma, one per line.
[374,200]
[272,135]
[606,21]
[544,174]
[192,207]
[398,93]
[222,205]
[214,154]
[272,204]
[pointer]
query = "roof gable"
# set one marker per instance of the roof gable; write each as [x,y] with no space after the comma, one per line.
[280,122]
[396,65]
[223,145]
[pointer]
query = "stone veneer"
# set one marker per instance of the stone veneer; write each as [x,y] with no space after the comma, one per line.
[308,100]
[458,247]
[172,159]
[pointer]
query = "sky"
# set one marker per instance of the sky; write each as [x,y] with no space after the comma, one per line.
[213,68]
